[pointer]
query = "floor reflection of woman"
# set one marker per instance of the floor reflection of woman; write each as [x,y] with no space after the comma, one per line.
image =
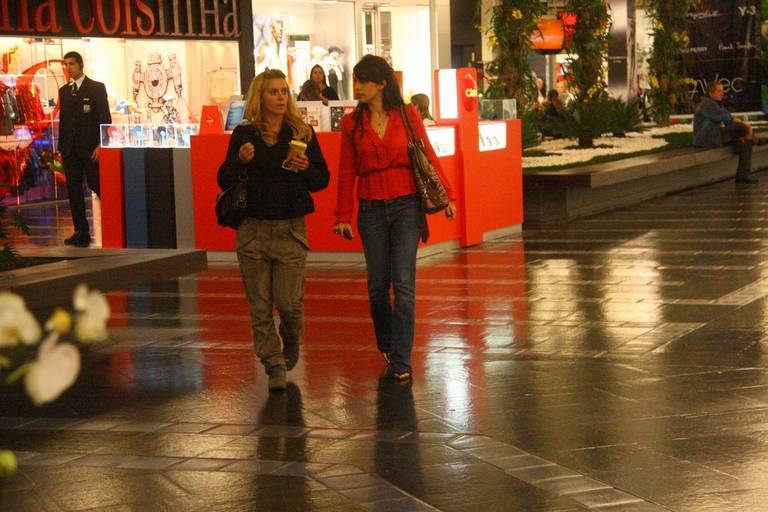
[396,412]
[283,410]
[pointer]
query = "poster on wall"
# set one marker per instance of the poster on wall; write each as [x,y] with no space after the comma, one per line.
[725,46]
[269,42]
[157,87]
[339,109]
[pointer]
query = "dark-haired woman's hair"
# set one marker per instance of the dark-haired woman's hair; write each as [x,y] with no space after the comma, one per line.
[375,69]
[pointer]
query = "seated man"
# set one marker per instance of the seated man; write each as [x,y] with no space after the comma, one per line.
[709,132]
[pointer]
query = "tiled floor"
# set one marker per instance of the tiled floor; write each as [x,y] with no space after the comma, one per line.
[614,363]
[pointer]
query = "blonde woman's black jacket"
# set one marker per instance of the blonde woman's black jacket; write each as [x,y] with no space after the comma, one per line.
[273,192]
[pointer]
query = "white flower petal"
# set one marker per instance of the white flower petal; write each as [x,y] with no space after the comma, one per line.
[29,329]
[12,302]
[89,328]
[80,297]
[54,371]
[18,326]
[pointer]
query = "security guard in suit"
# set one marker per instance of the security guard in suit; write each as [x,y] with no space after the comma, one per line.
[83,106]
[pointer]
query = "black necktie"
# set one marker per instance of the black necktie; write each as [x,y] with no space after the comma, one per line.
[74,88]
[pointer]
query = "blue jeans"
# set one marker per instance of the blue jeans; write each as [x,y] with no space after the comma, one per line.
[390,233]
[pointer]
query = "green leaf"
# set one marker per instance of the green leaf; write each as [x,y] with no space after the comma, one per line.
[21,225]
[5,362]
[18,373]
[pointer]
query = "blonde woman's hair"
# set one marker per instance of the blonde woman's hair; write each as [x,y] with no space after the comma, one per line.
[254,113]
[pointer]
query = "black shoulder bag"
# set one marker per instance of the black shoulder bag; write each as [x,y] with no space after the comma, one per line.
[232,203]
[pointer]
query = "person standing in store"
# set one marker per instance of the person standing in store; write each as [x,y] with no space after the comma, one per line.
[421,102]
[316,88]
[374,152]
[83,106]
[272,240]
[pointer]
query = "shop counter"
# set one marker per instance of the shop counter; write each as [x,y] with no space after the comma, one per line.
[207,153]
[487,181]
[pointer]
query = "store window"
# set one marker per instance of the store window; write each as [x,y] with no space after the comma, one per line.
[147,81]
[294,36]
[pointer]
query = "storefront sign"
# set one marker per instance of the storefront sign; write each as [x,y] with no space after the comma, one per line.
[469,98]
[725,47]
[181,19]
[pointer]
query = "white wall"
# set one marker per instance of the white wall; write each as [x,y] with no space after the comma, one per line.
[411,48]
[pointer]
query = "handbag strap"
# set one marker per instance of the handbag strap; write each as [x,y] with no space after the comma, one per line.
[407,123]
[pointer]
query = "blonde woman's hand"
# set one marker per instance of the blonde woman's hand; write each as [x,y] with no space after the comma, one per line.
[297,162]
[450,210]
[343,229]
[246,152]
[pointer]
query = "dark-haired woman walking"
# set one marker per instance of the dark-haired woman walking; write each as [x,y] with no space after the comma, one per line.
[374,151]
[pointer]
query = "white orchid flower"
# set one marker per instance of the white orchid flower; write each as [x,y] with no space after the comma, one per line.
[17,324]
[93,309]
[53,372]
[60,321]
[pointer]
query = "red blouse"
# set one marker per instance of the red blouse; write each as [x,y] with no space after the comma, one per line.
[381,166]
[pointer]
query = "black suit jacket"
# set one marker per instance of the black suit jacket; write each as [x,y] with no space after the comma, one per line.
[80,116]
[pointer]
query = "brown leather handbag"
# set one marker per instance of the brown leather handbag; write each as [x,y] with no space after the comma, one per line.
[434,198]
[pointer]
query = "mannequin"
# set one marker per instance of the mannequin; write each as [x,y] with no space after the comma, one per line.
[319,55]
[335,70]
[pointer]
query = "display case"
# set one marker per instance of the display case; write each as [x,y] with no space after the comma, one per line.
[498,109]
[147,135]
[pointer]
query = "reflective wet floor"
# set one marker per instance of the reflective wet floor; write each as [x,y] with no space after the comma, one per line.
[614,363]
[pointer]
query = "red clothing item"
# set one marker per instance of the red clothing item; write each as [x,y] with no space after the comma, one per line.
[381,166]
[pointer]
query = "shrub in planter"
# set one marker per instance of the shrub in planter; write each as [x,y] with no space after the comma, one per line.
[9,258]
[586,120]
[626,117]
[531,128]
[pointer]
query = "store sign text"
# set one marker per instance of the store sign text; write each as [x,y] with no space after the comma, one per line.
[190,19]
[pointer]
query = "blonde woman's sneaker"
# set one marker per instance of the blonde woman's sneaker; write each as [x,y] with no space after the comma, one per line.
[290,352]
[277,379]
